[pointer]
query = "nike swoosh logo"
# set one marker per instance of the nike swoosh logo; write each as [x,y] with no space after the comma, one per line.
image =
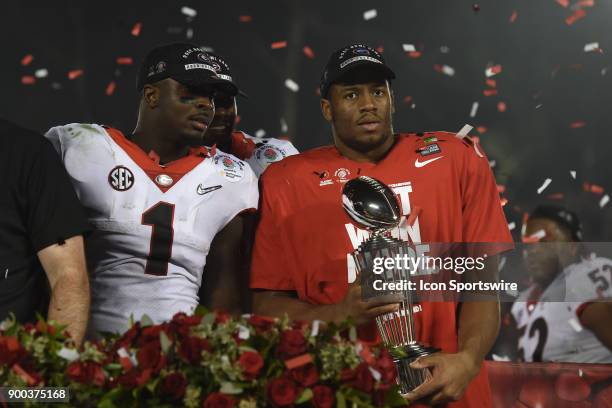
[205,190]
[418,164]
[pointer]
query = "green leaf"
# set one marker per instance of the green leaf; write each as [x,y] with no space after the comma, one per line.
[230,388]
[164,342]
[106,403]
[353,334]
[306,395]
[146,321]
[340,400]
[208,319]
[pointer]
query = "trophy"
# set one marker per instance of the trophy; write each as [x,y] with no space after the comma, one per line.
[374,206]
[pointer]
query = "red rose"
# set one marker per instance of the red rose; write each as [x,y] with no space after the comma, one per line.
[218,400]
[387,369]
[191,349]
[128,337]
[181,324]
[363,378]
[305,375]
[221,317]
[150,356]
[86,373]
[323,396]
[10,350]
[174,385]
[282,392]
[379,398]
[347,375]
[251,363]
[260,323]
[292,343]
[149,334]
[134,378]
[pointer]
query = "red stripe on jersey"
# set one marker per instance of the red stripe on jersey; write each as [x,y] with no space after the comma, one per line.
[149,163]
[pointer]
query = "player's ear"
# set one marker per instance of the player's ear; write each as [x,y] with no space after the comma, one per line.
[326,109]
[392,98]
[150,94]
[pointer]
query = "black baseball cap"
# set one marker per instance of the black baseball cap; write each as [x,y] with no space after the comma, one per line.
[223,71]
[185,63]
[347,59]
[561,216]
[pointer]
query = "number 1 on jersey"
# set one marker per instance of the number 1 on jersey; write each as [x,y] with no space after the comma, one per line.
[160,217]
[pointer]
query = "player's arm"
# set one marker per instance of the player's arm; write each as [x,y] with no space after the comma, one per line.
[65,267]
[596,317]
[279,303]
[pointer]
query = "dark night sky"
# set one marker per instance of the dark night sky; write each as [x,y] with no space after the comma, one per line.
[548,82]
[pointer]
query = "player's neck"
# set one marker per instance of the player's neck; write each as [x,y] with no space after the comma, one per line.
[151,139]
[371,156]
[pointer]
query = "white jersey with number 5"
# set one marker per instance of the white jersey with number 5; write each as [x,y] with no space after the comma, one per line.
[550,327]
[153,224]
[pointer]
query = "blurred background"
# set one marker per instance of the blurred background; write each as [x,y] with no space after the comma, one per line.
[543,110]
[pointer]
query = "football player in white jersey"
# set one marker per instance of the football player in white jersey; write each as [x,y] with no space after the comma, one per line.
[565,315]
[258,152]
[168,213]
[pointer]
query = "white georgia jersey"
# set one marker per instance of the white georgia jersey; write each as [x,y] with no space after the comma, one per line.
[153,224]
[550,329]
[260,152]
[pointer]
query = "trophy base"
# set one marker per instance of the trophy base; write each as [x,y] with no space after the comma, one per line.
[409,378]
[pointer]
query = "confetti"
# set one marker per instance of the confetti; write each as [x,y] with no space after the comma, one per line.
[315,328]
[503,201]
[189,33]
[501,106]
[308,52]
[578,14]
[575,325]
[464,131]
[188,11]
[544,185]
[68,354]
[591,47]
[563,3]
[450,71]
[592,188]
[491,83]
[110,88]
[407,99]
[75,74]
[278,44]
[481,129]
[492,163]
[298,361]
[476,7]
[125,61]
[284,126]
[578,124]
[489,92]
[380,49]
[243,332]
[27,60]
[444,49]
[245,19]
[535,237]
[370,14]
[414,54]
[375,374]
[501,188]
[28,80]
[604,71]
[556,196]
[584,3]
[41,73]
[513,17]
[408,47]
[604,200]
[511,227]
[260,133]
[292,85]
[474,110]
[573,174]
[136,29]
[494,70]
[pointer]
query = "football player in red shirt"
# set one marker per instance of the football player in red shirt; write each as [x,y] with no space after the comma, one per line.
[302,262]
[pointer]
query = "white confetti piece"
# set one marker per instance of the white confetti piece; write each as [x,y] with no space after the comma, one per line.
[523,230]
[538,106]
[315,328]
[260,133]
[284,126]
[68,354]
[502,263]
[512,226]
[450,71]
[292,85]
[492,71]
[591,47]
[604,200]
[444,49]
[188,11]
[495,357]
[492,164]
[573,174]
[544,185]
[580,373]
[189,33]
[474,110]
[370,14]
[122,352]
[539,234]
[375,374]
[464,131]
[604,71]
[575,325]
[243,332]
[41,73]
[408,47]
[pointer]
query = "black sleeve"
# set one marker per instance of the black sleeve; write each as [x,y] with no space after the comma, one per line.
[54,212]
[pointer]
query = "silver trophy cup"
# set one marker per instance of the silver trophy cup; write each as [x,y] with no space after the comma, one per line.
[374,206]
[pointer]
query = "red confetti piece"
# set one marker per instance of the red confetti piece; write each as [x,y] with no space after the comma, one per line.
[245,19]
[530,239]
[28,80]
[481,129]
[513,17]
[555,196]
[308,52]
[237,119]
[501,106]
[24,375]
[25,61]
[110,88]
[413,215]
[585,3]
[366,354]
[75,74]
[380,49]
[489,92]
[491,83]
[501,188]
[496,69]
[136,29]
[578,14]
[563,3]
[125,61]
[298,361]
[407,99]
[278,44]
[415,54]
[476,7]
[578,124]
[593,188]
[503,202]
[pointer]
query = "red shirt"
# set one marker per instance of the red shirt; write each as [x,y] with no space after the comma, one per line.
[304,239]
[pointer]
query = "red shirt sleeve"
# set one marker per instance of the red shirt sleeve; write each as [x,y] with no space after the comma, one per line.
[269,266]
